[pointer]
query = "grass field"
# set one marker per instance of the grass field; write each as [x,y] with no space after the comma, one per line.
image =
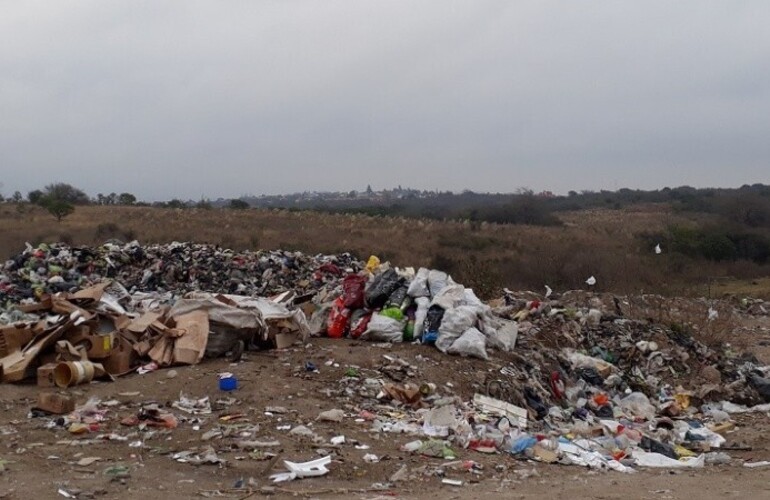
[602,243]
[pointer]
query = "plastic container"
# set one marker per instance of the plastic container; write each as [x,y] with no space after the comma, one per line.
[228,382]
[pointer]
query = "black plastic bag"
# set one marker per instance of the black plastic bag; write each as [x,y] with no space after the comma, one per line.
[380,289]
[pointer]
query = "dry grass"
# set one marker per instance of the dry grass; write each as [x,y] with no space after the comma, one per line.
[487,257]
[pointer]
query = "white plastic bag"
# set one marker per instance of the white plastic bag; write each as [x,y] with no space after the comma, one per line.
[449,297]
[383,329]
[470,343]
[437,280]
[501,334]
[455,322]
[423,303]
[637,404]
[419,285]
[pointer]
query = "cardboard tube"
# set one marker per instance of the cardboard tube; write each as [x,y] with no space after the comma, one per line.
[70,373]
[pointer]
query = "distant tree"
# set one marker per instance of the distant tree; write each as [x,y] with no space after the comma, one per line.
[176,203]
[17,197]
[205,204]
[35,196]
[66,192]
[237,204]
[57,207]
[126,199]
[369,189]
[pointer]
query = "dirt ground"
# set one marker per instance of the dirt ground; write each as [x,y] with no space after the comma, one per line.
[39,461]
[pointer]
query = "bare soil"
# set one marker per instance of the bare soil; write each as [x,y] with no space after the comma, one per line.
[39,461]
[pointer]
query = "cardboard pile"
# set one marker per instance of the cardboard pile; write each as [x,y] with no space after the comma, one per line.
[101,326]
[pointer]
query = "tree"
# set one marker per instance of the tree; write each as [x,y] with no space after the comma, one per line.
[35,196]
[66,192]
[237,204]
[17,197]
[57,207]
[126,199]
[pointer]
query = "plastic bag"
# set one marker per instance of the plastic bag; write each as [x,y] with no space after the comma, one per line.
[372,264]
[419,317]
[339,318]
[419,285]
[637,404]
[437,280]
[383,329]
[393,312]
[359,322]
[353,291]
[432,323]
[319,320]
[501,334]
[380,289]
[450,296]
[398,297]
[454,323]
[409,330]
[471,343]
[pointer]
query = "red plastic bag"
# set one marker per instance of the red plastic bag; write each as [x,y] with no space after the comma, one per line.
[359,321]
[339,317]
[353,291]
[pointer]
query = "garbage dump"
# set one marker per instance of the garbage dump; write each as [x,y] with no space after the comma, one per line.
[580,378]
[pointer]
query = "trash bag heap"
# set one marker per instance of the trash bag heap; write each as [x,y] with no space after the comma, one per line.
[584,380]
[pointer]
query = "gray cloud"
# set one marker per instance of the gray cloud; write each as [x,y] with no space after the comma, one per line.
[191,98]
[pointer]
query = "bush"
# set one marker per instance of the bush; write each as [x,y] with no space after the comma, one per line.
[718,247]
[238,205]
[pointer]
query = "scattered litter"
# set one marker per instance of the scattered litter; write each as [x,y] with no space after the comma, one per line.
[313,468]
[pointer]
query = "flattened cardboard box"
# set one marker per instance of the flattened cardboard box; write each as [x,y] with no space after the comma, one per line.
[190,347]
[13,338]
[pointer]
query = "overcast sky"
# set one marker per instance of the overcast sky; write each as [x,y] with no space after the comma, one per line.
[220,98]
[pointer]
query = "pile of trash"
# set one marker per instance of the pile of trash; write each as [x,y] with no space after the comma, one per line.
[583,378]
[174,267]
[385,304]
